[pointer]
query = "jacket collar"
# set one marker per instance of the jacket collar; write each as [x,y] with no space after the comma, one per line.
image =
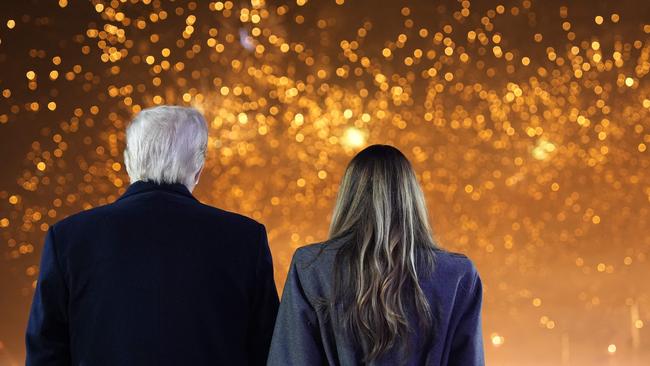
[142,186]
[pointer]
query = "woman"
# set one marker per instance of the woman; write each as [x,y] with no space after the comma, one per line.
[379,291]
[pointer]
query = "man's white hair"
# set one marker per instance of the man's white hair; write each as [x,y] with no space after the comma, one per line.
[166,144]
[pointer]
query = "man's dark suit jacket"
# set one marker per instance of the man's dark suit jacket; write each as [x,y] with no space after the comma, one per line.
[155,278]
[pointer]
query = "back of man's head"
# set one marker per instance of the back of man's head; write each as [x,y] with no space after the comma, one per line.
[166,144]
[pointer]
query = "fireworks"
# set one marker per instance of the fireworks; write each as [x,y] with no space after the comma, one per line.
[527,123]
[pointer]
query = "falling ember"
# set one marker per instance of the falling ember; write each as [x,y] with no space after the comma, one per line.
[353,138]
[611,349]
[497,340]
[543,149]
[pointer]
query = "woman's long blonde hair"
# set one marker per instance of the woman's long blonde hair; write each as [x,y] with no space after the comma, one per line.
[381,216]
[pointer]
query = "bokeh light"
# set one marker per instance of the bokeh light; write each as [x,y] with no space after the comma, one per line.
[527,122]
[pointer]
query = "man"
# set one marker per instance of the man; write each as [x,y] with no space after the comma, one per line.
[155,278]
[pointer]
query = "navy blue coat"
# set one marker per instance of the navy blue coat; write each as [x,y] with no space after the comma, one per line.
[155,278]
[306,335]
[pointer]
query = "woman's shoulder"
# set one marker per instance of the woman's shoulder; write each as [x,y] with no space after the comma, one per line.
[308,251]
[316,260]
[320,250]
[312,266]
[455,264]
[325,252]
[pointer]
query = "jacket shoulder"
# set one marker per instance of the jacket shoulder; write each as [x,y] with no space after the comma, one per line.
[91,215]
[455,264]
[318,257]
[98,215]
[230,217]
[308,252]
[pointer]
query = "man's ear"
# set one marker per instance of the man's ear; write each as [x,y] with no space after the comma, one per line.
[198,175]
